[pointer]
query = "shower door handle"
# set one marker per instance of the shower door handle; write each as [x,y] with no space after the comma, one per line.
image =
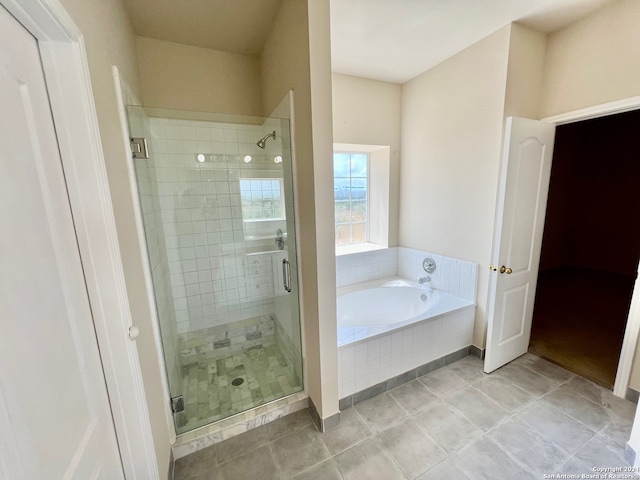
[286,275]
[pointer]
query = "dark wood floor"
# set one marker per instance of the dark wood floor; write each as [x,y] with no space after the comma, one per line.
[579,320]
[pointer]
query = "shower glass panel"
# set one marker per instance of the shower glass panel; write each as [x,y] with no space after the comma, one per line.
[217,210]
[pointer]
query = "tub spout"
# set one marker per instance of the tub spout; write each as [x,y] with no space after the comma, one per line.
[426,282]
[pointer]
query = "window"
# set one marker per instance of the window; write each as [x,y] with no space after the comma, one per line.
[262,199]
[350,185]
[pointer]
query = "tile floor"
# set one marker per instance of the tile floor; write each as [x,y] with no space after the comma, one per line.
[210,395]
[527,419]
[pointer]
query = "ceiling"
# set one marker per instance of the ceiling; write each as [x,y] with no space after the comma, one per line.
[390,40]
[236,26]
[396,40]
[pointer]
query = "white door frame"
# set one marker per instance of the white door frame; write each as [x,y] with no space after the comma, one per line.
[68,81]
[632,330]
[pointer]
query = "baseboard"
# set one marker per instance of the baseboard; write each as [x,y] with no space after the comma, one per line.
[405,377]
[632,395]
[172,464]
[323,424]
[476,352]
[630,454]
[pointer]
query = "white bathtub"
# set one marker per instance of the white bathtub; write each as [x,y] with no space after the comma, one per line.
[373,308]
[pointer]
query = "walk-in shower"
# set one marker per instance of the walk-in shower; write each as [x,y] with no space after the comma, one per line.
[214,204]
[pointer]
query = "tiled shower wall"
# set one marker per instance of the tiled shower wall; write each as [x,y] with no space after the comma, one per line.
[213,279]
[454,276]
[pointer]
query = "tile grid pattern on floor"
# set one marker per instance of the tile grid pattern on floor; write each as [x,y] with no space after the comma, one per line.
[218,387]
[527,419]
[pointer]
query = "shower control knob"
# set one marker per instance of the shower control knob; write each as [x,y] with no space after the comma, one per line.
[133,332]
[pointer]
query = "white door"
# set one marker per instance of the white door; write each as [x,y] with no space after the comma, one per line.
[55,419]
[520,212]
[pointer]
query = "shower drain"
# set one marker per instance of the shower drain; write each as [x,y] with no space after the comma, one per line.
[237,381]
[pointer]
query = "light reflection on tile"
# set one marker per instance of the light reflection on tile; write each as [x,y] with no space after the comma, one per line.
[382,438]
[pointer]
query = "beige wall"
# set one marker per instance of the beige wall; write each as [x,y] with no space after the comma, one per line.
[109,40]
[183,77]
[594,61]
[367,112]
[452,117]
[525,72]
[297,56]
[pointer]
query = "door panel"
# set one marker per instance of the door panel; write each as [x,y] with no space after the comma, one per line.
[513,304]
[522,199]
[525,195]
[52,384]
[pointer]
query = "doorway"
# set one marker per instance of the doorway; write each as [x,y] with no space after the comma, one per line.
[590,247]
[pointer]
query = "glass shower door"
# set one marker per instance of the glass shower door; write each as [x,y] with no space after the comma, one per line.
[216,197]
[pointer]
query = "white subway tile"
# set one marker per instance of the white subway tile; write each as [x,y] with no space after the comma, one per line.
[361,354]
[361,370]
[373,349]
[362,382]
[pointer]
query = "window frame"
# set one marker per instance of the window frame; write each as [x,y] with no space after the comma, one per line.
[368,210]
[283,210]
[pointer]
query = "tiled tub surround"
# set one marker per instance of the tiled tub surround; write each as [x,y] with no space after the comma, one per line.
[366,363]
[380,355]
[370,309]
[454,276]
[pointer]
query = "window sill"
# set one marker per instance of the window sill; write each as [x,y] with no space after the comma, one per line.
[358,248]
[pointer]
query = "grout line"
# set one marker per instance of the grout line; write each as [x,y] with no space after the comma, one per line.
[260,446]
[512,415]
[273,458]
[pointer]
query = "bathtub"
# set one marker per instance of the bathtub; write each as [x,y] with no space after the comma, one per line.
[373,308]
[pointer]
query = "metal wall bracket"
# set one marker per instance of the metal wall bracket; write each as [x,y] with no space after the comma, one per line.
[139,147]
[177,404]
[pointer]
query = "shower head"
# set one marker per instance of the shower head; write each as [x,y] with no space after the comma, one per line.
[262,142]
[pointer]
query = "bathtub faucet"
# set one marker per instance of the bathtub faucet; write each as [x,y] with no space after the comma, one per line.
[426,282]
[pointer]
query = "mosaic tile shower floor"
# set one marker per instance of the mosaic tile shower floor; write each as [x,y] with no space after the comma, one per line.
[210,393]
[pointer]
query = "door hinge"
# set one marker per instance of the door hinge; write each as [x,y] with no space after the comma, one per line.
[177,404]
[139,147]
